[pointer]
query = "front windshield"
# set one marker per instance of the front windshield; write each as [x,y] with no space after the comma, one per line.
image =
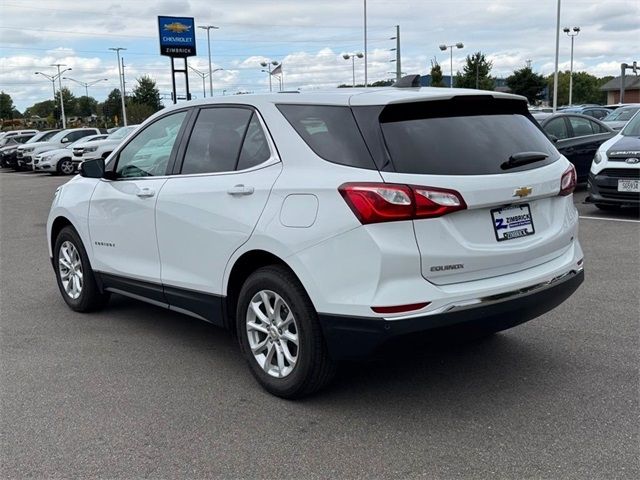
[621,114]
[632,129]
[42,136]
[121,133]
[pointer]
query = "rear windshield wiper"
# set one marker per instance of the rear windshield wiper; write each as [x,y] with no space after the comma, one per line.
[523,158]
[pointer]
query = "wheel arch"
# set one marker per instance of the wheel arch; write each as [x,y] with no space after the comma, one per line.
[56,227]
[245,265]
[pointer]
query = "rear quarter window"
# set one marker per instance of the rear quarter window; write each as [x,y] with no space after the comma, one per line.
[331,132]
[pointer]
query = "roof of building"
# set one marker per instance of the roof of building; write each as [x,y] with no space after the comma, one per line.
[631,82]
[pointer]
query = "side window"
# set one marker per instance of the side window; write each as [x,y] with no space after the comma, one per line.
[581,126]
[558,128]
[214,145]
[148,153]
[255,148]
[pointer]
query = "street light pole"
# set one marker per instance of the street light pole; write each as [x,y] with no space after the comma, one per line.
[366,57]
[124,108]
[271,66]
[555,72]
[353,57]
[576,31]
[85,84]
[444,48]
[208,29]
[52,79]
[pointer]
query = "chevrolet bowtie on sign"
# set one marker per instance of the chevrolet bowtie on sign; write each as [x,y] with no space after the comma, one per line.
[177,36]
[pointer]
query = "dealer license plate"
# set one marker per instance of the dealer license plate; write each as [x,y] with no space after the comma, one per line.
[629,185]
[511,222]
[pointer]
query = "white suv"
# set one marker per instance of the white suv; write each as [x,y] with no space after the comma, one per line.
[102,148]
[320,225]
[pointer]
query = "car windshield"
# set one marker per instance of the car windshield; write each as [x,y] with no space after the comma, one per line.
[121,133]
[632,129]
[621,115]
[42,136]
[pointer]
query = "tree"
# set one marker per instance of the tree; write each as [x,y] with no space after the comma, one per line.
[527,83]
[112,106]
[475,73]
[86,106]
[378,83]
[586,88]
[138,112]
[436,74]
[6,106]
[146,93]
[40,109]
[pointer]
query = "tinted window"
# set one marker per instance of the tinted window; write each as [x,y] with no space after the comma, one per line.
[331,132]
[149,152]
[446,141]
[582,127]
[214,145]
[557,127]
[255,148]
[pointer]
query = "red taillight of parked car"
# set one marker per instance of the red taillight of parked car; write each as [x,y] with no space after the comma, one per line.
[401,308]
[568,181]
[388,202]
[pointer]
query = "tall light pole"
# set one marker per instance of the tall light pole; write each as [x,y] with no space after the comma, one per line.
[555,72]
[450,47]
[124,108]
[52,79]
[271,66]
[208,29]
[203,75]
[85,84]
[568,31]
[366,57]
[397,50]
[352,57]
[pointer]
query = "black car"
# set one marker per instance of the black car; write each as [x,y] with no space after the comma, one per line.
[577,137]
[8,147]
[597,112]
[614,179]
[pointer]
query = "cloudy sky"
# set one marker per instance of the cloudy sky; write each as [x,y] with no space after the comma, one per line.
[308,36]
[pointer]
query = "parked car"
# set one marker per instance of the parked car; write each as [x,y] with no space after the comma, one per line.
[620,116]
[597,112]
[8,145]
[614,179]
[60,161]
[103,148]
[12,133]
[577,137]
[319,225]
[26,153]
[9,155]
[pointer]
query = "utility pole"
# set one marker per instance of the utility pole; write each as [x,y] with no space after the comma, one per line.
[124,94]
[623,71]
[366,58]
[121,79]
[64,120]
[208,29]
[555,72]
[397,49]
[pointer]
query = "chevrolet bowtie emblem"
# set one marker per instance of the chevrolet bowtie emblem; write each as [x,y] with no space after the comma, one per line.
[522,192]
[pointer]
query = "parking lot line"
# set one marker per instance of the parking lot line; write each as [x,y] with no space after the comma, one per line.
[610,219]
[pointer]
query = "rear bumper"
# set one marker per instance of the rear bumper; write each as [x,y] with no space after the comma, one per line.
[358,337]
[603,189]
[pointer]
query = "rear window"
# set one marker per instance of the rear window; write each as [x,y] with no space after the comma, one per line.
[461,136]
[331,132]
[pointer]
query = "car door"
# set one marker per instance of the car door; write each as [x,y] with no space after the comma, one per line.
[122,211]
[210,207]
[587,137]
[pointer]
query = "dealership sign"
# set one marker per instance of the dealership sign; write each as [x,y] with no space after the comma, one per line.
[177,36]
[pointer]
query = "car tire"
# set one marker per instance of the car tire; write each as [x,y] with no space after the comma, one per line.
[292,309]
[66,167]
[76,280]
[607,208]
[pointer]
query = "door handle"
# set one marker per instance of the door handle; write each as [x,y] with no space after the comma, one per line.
[240,190]
[145,192]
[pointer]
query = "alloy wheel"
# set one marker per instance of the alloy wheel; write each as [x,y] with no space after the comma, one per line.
[66,167]
[272,332]
[70,269]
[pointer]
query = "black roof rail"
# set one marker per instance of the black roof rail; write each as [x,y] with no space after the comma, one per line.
[408,81]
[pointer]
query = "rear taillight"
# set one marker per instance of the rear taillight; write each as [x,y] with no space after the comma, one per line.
[388,202]
[568,181]
[401,308]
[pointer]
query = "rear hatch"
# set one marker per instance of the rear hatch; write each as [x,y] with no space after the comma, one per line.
[489,153]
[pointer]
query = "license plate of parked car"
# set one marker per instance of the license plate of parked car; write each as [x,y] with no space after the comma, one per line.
[511,222]
[629,185]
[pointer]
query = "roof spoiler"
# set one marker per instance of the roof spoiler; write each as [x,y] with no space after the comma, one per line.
[408,81]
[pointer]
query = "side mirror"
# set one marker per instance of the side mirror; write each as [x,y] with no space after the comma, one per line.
[92,168]
[65,140]
[553,138]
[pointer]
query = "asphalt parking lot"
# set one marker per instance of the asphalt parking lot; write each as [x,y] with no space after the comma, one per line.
[135,391]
